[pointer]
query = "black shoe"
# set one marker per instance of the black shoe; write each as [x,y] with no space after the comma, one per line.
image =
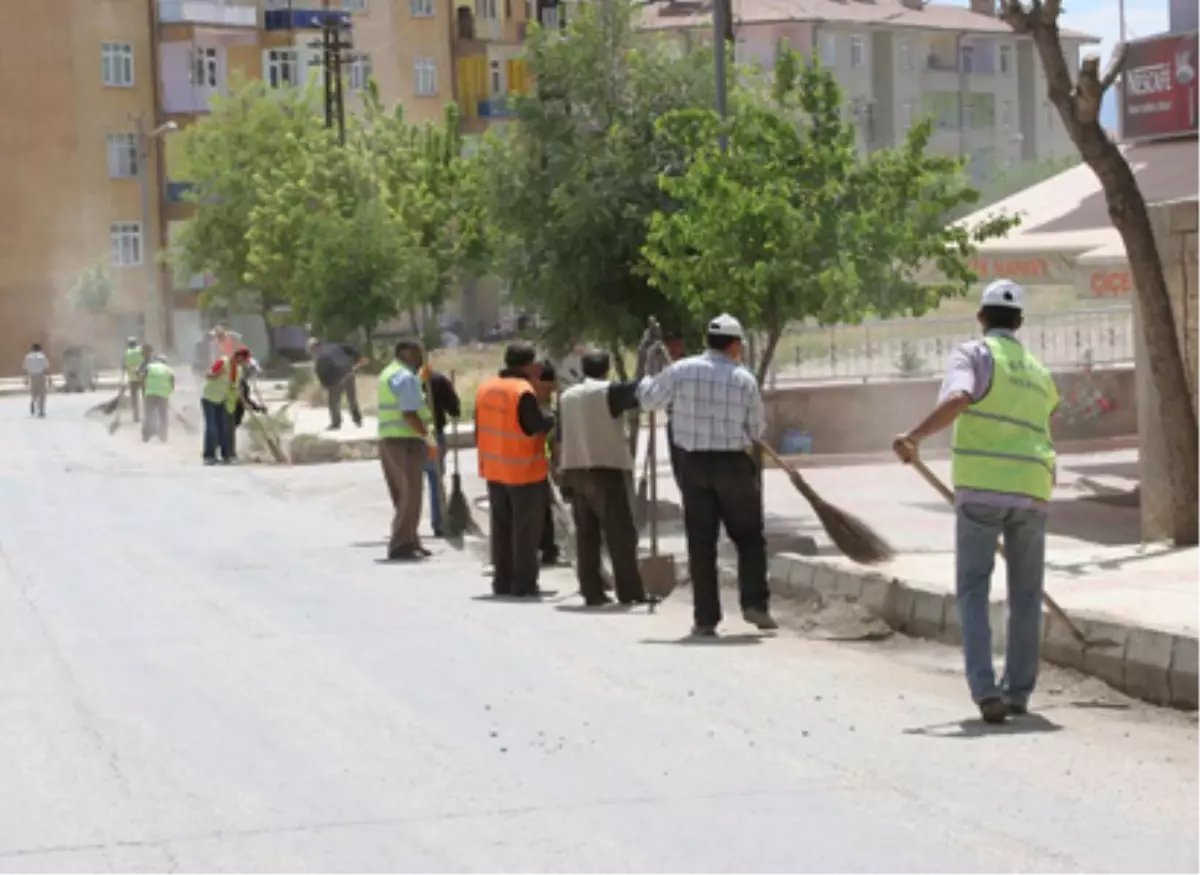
[210,461]
[424,551]
[598,601]
[550,559]
[438,533]
[1017,709]
[406,554]
[993,710]
[639,600]
[762,619]
[699,631]
[337,427]
[535,593]
[358,423]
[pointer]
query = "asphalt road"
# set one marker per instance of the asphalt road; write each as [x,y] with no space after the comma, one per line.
[205,669]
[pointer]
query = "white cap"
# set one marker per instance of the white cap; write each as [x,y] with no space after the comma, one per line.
[726,326]
[1003,293]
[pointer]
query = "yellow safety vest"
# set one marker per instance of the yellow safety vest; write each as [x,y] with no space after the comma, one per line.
[133,360]
[392,423]
[1002,442]
[221,389]
[158,380]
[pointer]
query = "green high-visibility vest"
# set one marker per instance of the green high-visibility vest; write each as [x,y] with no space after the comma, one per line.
[133,360]
[158,380]
[392,423]
[221,388]
[1002,442]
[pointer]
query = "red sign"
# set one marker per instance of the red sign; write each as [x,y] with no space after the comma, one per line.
[1158,88]
[1108,282]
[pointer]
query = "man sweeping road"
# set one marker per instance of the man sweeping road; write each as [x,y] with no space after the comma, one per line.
[717,412]
[134,359]
[999,398]
[404,446]
[596,465]
[159,382]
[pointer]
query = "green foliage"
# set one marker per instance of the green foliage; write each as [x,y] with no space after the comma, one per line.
[92,290]
[792,223]
[569,187]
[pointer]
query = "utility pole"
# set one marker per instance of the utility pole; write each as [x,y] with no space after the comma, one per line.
[155,327]
[334,43]
[722,32]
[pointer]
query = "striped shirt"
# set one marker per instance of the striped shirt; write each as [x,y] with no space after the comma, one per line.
[715,403]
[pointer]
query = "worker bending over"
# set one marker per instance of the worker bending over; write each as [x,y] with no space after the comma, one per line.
[999,398]
[159,383]
[510,434]
[218,401]
[134,359]
[716,415]
[596,467]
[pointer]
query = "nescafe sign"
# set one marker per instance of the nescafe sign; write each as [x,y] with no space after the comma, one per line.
[1158,88]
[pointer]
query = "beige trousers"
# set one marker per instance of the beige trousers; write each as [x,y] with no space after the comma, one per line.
[403,461]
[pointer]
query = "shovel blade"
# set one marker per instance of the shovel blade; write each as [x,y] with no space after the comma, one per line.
[658,575]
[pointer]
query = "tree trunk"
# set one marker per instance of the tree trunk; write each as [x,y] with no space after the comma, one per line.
[774,335]
[1078,105]
[264,310]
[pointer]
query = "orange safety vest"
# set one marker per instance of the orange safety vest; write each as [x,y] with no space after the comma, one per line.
[506,454]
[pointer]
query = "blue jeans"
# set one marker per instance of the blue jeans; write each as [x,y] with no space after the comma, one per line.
[218,431]
[977,528]
[432,477]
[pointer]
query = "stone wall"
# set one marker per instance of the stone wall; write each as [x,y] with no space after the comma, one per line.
[864,417]
[1175,226]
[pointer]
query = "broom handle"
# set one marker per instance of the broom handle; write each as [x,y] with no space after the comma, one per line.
[454,428]
[652,468]
[1056,609]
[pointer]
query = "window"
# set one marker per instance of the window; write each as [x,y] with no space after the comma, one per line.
[828,49]
[1006,114]
[421,8]
[904,50]
[966,59]
[354,5]
[485,10]
[549,18]
[280,67]
[204,68]
[126,241]
[425,82]
[906,116]
[360,72]
[858,53]
[968,117]
[1005,60]
[122,156]
[496,80]
[116,67]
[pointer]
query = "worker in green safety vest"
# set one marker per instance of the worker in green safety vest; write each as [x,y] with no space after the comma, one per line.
[159,383]
[999,399]
[405,443]
[133,360]
[218,401]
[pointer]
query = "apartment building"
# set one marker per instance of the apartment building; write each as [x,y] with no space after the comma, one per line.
[898,61]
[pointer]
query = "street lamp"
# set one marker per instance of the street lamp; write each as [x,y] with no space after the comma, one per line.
[153,304]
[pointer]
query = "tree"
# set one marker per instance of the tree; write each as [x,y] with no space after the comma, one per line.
[93,290]
[1078,106]
[790,222]
[572,182]
[251,141]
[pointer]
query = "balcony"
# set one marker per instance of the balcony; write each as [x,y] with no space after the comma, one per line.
[212,13]
[496,108]
[305,19]
[177,192]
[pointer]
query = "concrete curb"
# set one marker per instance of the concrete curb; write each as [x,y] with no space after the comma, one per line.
[1149,664]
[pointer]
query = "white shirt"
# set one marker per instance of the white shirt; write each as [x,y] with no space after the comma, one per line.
[36,363]
[715,402]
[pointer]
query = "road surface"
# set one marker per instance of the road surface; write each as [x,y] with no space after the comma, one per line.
[206,669]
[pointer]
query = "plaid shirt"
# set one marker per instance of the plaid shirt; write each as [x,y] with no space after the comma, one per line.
[715,403]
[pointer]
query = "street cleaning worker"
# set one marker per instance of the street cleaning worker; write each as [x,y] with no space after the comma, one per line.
[999,398]
[545,388]
[159,382]
[716,415]
[441,403]
[135,357]
[218,400]
[404,447]
[37,375]
[510,433]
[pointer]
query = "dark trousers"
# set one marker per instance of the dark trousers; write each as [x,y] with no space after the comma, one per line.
[218,431]
[723,488]
[675,453]
[518,517]
[349,388]
[600,503]
[547,545]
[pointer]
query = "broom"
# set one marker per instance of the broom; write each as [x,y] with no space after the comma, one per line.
[849,534]
[458,510]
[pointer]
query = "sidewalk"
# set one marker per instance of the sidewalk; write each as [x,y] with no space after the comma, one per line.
[1143,597]
[106,381]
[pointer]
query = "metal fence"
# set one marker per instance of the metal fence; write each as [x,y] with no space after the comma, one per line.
[911,348]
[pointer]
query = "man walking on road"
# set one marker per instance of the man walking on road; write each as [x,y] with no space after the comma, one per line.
[37,375]
[510,433]
[336,366]
[135,357]
[716,414]
[160,385]
[999,398]
[403,449]
[596,466]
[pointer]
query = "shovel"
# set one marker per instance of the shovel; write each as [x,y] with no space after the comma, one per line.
[657,571]
[1056,609]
